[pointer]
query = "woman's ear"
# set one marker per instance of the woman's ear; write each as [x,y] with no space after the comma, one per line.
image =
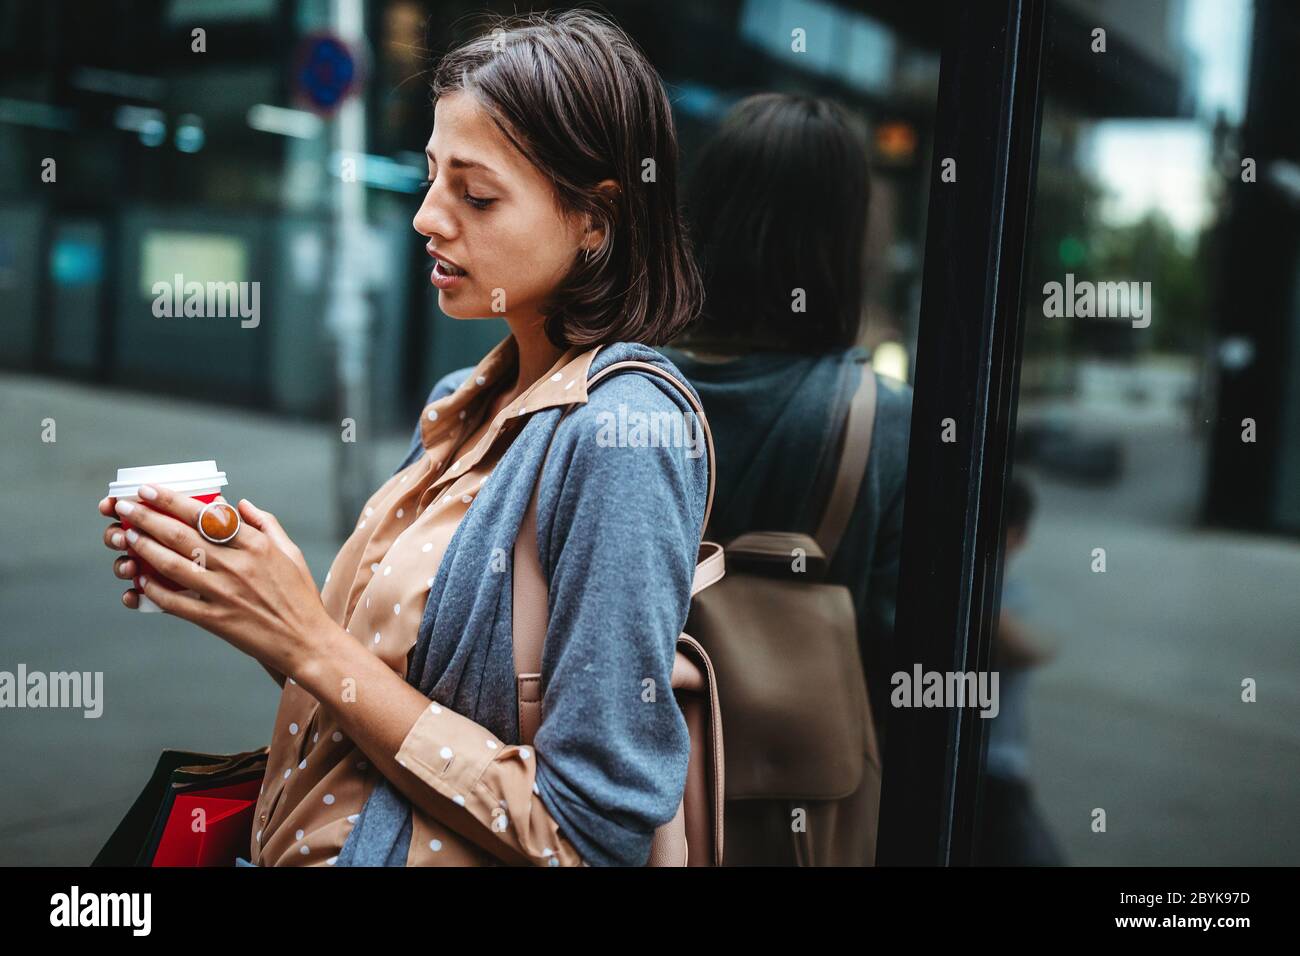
[594,236]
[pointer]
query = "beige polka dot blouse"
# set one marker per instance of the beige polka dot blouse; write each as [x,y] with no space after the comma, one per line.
[484,810]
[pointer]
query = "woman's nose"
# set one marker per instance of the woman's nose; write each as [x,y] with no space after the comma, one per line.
[432,218]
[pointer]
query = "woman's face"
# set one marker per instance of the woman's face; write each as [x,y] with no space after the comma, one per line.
[494,215]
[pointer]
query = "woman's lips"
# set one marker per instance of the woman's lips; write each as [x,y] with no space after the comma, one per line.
[444,279]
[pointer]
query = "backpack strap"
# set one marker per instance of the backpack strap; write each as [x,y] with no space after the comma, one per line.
[858,426]
[530,597]
[530,618]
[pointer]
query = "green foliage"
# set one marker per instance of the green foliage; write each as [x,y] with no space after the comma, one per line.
[1069,235]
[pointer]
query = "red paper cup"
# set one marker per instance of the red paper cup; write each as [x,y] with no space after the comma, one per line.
[198,479]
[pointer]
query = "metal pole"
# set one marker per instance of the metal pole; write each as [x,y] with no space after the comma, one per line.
[348,314]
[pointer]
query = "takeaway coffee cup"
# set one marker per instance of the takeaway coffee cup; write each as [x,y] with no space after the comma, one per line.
[198,479]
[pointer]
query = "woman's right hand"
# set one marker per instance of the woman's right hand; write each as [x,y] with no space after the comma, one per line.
[126,568]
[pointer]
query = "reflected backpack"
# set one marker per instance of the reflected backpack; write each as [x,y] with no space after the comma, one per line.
[802,759]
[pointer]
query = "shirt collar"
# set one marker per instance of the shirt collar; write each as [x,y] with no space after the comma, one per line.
[564,383]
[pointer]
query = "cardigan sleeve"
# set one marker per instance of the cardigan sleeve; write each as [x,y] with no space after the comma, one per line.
[618,532]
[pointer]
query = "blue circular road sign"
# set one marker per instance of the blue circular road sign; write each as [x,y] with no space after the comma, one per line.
[326,72]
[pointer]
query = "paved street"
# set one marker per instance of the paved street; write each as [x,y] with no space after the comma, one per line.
[1141,712]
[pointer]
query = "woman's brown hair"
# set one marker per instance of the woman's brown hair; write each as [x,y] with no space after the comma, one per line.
[576,96]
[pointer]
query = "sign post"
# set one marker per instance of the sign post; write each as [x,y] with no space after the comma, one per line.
[327,76]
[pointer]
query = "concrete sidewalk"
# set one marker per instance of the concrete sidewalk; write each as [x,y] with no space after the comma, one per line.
[1141,713]
[166,683]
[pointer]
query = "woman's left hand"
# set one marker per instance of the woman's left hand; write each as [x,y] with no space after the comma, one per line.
[257,591]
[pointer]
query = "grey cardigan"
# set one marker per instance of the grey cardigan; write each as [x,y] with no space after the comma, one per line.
[618,530]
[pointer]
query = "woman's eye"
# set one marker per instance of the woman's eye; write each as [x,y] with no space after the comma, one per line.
[476,201]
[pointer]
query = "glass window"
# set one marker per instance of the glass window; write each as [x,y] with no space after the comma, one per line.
[1146,644]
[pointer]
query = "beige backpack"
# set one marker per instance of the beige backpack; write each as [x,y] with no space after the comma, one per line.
[698,825]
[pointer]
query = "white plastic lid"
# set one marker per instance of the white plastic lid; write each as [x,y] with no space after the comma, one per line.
[179,476]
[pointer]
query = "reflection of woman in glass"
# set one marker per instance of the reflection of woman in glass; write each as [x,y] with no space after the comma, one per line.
[396,737]
[778,205]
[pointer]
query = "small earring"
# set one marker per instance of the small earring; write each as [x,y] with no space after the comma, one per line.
[587,254]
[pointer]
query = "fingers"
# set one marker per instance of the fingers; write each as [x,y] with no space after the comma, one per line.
[173,602]
[172,518]
[162,528]
[266,522]
[114,537]
[126,568]
[269,525]
[178,505]
[182,570]
[131,598]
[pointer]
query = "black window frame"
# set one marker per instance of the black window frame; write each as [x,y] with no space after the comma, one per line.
[968,370]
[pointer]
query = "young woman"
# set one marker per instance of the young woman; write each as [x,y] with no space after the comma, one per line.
[778,210]
[396,737]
